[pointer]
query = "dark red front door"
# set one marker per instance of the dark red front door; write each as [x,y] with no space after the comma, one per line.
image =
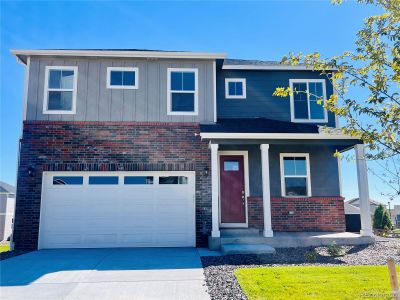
[233,207]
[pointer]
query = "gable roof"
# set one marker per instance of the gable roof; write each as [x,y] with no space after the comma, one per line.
[351,209]
[6,188]
[371,201]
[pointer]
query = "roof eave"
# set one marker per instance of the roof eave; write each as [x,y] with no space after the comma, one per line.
[271,67]
[278,136]
[23,54]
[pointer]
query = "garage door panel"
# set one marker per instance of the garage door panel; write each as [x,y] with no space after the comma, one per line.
[58,238]
[123,215]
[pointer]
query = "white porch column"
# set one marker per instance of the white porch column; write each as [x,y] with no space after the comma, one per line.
[214,191]
[266,190]
[363,191]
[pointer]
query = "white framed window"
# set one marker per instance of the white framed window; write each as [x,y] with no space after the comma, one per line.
[235,88]
[60,86]
[122,78]
[182,91]
[304,104]
[295,175]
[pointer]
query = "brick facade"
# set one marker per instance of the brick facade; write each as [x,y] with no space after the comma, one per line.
[107,146]
[299,214]
[255,212]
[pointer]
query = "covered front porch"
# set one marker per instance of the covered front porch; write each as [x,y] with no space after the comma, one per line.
[282,189]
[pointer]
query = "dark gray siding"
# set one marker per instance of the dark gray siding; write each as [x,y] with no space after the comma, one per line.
[323,168]
[260,102]
[97,103]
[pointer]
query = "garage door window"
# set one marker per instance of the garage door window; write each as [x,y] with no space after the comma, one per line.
[173,180]
[67,180]
[103,180]
[138,180]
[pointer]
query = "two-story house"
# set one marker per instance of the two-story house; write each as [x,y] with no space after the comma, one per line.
[126,148]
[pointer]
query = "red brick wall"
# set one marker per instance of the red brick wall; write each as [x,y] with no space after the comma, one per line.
[255,212]
[107,146]
[309,213]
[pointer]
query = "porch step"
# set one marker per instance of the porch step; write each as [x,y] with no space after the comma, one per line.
[239,232]
[227,249]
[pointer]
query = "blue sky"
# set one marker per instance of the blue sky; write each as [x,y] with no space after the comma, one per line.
[248,30]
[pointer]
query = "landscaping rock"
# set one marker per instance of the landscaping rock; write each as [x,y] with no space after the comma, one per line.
[222,283]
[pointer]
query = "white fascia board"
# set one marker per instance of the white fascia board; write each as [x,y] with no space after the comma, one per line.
[277,136]
[272,67]
[255,67]
[116,53]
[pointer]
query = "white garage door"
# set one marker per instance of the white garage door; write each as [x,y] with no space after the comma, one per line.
[117,209]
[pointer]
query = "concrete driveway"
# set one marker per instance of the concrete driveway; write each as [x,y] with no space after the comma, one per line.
[132,273]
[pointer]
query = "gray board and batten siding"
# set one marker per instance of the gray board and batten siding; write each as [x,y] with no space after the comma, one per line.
[259,102]
[95,102]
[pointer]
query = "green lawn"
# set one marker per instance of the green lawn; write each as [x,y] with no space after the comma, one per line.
[345,282]
[4,248]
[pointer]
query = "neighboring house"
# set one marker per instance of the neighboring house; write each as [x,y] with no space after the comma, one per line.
[7,206]
[353,219]
[125,148]
[353,213]
[395,216]
[373,204]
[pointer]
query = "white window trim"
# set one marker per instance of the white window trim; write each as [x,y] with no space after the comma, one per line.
[73,90]
[122,69]
[227,81]
[195,92]
[292,112]
[308,176]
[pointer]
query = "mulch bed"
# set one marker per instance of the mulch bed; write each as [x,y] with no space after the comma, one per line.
[222,283]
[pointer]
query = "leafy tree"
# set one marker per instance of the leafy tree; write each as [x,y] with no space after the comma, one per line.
[374,66]
[382,218]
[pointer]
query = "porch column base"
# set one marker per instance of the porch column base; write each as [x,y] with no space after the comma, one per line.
[214,243]
[215,234]
[268,233]
[364,232]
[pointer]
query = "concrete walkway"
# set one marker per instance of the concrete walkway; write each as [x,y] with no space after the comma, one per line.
[132,273]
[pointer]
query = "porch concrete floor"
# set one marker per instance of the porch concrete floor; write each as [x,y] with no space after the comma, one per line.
[297,239]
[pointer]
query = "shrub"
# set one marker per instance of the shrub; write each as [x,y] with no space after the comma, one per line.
[310,256]
[335,250]
[382,218]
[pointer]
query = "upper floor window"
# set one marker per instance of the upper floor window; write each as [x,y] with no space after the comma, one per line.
[295,174]
[60,90]
[182,92]
[307,100]
[235,88]
[122,78]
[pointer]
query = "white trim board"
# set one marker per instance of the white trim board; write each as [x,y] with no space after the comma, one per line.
[118,53]
[282,175]
[246,187]
[292,112]
[229,80]
[123,69]
[195,92]
[74,90]
[215,90]
[277,136]
[269,67]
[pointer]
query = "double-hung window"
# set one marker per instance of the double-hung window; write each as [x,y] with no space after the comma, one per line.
[182,92]
[122,78]
[295,174]
[60,90]
[307,100]
[235,88]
